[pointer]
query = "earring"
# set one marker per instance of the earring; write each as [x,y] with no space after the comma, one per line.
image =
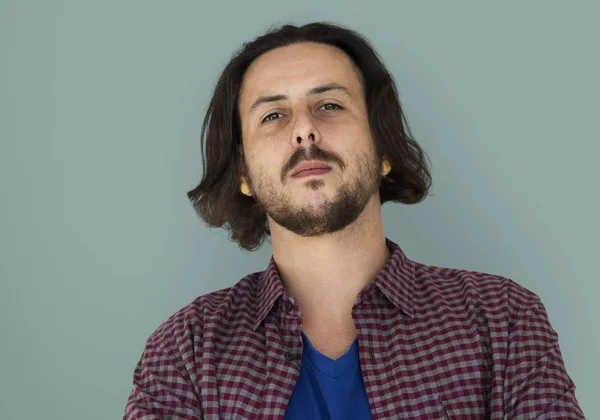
[245,189]
[386,167]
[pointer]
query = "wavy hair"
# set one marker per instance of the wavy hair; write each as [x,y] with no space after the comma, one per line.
[218,200]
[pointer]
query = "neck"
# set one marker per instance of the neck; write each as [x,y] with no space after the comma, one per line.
[326,273]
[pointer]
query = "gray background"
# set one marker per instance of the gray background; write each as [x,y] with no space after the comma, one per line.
[100,109]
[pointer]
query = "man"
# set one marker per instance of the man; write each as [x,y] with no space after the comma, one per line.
[304,139]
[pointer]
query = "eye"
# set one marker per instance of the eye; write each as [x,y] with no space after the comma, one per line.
[272,117]
[331,107]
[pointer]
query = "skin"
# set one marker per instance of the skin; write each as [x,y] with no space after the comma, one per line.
[323,262]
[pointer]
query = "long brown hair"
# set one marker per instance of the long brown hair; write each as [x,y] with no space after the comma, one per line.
[218,200]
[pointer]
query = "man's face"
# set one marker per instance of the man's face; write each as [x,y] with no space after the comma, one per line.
[304,104]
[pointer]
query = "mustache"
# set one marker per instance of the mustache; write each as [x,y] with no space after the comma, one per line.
[312,153]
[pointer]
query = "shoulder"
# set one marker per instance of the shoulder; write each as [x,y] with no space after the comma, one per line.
[478,290]
[190,322]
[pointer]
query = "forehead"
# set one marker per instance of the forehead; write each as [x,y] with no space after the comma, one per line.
[298,66]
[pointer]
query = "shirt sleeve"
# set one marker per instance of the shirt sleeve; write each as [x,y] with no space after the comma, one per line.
[536,383]
[162,390]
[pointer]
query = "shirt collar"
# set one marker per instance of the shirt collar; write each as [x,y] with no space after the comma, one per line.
[396,280]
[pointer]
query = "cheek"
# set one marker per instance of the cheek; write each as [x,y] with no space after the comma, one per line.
[263,166]
[346,139]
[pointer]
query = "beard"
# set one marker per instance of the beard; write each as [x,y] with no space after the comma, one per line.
[332,215]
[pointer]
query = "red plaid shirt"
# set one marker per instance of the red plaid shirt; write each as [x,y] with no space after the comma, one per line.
[434,343]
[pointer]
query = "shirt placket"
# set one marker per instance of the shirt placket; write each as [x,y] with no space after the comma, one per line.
[283,328]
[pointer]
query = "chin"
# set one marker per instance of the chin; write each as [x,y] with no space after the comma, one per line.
[316,206]
[314,197]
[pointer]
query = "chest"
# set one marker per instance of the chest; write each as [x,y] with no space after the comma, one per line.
[408,372]
[331,342]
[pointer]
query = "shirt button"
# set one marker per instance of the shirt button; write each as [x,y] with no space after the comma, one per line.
[289,306]
[289,356]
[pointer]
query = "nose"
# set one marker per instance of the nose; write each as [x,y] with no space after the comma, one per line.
[311,138]
[305,131]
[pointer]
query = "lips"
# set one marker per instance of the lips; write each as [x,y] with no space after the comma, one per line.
[310,168]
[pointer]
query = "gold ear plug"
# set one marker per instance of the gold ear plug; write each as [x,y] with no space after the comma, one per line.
[245,189]
[386,167]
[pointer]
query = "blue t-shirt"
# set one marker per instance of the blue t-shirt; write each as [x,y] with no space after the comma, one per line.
[329,389]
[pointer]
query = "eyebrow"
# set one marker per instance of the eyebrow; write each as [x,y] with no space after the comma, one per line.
[314,91]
